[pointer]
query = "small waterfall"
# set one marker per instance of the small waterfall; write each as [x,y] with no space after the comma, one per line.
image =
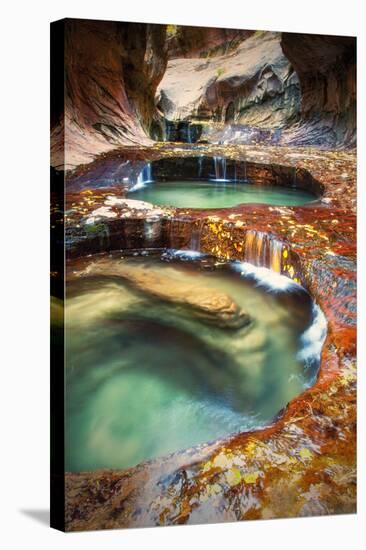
[144,177]
[165,130]
[200,161]
[275,255]
[195,240]
[263,250]
[220,168]
[189,133]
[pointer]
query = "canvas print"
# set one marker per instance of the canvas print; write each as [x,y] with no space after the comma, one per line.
[203,274]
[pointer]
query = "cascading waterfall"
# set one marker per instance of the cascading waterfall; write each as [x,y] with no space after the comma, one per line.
[220,168]
[144,177]
[195,241]
[200,161]
[275,255]
[263,250]
[189,133]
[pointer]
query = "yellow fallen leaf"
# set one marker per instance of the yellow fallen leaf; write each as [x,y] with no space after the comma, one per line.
[305,453]
[251,477]
[233,477]
[207,467]
[250,447]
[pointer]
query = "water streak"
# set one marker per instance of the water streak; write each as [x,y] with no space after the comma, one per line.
[189,133]
[313,338]
[263,250]
[220,169]
[195,241]
[265,277]
[144,177]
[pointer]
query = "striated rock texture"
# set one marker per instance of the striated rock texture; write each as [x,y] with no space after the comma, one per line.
[184,41]
[326,67]
[249,87]
[254,84]
[279,88]
[304,464]
[111,73]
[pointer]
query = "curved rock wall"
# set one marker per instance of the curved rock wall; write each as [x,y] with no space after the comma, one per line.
[249,87]
[302,87]
[326,67]
[111,73]
[253,84]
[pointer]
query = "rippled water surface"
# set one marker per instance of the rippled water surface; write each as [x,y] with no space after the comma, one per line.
[217,194]
[164,353]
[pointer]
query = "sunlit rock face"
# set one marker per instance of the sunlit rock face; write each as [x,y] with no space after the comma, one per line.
[253,84]
[270,87]
[112,70]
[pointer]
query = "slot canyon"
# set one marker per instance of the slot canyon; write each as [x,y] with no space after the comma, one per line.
[225,157]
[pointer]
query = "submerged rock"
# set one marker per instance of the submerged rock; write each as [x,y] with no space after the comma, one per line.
[207,304]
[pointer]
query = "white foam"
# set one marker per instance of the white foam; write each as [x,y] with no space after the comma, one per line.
[187,254]
[312,339]
[139,185]
[266,277]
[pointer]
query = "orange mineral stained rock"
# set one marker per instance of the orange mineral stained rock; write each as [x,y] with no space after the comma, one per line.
[304,463]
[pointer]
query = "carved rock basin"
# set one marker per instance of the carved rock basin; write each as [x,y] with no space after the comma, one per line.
[169,350]
[217,194]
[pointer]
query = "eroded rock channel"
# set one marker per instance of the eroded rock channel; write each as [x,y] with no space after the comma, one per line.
[167,351]
[259,407]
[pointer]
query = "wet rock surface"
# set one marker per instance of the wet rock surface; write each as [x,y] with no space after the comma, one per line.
[305,462]
[295,94]
[208,305]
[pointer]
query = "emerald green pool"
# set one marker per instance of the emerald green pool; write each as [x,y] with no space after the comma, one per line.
[164,353]
[217,194]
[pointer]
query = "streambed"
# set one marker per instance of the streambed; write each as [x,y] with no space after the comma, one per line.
[166,351]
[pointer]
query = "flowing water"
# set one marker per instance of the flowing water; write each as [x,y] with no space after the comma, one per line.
[217,193]
[164,352]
